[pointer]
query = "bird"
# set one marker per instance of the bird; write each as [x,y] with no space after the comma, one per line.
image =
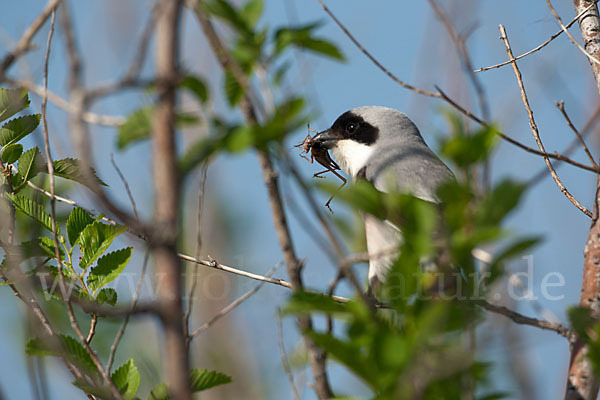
[383,146]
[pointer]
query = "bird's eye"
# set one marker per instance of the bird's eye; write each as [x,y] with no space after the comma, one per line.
[351,127]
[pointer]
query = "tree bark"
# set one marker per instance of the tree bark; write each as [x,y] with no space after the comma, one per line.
[166,206]
[582,383]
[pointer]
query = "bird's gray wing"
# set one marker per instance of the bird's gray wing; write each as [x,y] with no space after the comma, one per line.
[412,169]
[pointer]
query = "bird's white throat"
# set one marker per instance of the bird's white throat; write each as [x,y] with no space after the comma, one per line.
[352,156]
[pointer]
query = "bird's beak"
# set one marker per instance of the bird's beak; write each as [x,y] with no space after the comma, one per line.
[327,138]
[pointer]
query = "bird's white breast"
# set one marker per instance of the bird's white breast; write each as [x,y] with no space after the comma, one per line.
[351,155]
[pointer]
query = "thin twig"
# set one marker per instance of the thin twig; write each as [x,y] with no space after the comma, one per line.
[585,131]
[523,320]
[571,38]
[231,306]
[440,94]
[373,59]
[190,302]
[534,128]
[113,389]
[121,332]
[284,358]
[541,46]
[561,107]
[127,188]
[24,44]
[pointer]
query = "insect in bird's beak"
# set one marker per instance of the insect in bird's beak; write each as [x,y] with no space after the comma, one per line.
[326,139]
[318,146]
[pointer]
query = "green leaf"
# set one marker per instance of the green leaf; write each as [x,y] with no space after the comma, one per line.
[306,302]
[252,11]
[17,128]
[223,10]
[127,379]
[464,148]
[502,199]
[197,153]
[137,127]
[70,348]
[196,86]
[11,153]
[581,319]
[95,239]
[203,379]
[40,247]
[108,268]
[302,37]
[12,101]
[233,90]
[33,209]
[71,168]
[159,392]
[77,221]
[102,392]
[30,164]
[107,296]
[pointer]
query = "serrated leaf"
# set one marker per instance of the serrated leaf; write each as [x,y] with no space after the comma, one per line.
[127,379]
[137,127]
[17,128]
[196,86]
[42,246]
[12,101]
[30,164]
[95,239]
[107,296]
[70,348]
[203,379]
[71,168]
[33,209]
[11,153]
[77,221]
[108,268]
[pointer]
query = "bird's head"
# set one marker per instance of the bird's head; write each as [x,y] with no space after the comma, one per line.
[359,134]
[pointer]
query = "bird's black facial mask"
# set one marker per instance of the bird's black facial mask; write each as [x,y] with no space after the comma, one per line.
[348,126]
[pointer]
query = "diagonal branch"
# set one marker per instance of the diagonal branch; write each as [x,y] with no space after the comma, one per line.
[534,128]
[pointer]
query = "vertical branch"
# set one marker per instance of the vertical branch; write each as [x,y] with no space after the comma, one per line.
[166,203]
[317,356]
[581,380]
[589,23]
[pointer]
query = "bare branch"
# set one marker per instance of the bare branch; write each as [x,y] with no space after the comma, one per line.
[231,306]
[440,94]
[24,43]
[571,38]
[561,107]
[85,341]
[534,128]
[121,332]
[523,320]
[541,46]
[284,359]
[373,59]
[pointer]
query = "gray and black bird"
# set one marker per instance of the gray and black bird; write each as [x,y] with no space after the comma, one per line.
[383,146]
